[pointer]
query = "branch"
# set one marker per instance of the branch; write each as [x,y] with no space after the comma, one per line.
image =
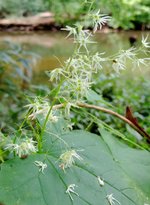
[84,105]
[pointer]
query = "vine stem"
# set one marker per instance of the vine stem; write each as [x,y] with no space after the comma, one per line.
[111,112]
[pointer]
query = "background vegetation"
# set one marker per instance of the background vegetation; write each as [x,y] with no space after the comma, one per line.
[126,14]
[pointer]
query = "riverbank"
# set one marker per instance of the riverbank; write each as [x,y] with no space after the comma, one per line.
[43,22]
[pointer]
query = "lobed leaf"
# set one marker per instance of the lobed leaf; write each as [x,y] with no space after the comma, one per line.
[125,172]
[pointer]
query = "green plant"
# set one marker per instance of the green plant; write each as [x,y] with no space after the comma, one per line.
[100,172]
[125,14]
[15,77]
[23,7]
[128,14]
[54,164]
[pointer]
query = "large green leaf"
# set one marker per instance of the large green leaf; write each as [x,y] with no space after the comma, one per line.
[126,173]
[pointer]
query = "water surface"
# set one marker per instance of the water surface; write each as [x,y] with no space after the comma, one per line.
[53,48]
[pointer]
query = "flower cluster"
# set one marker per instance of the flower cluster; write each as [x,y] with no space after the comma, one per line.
[78,72]
[83,39]
[68,159]
[23,148]
[131,55]
[41,107]
[99,20]
[37,107]
[120,61]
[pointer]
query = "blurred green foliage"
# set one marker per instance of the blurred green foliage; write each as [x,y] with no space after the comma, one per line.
[128,14]
[21,7]
[123,91]
[15,76]
[125,14]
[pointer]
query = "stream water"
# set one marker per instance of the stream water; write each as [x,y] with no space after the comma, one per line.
[53,48]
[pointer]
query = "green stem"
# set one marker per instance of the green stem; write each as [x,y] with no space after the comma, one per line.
[47,117]
[25,119]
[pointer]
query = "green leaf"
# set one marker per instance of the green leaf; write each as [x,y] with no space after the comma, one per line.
[124,170]
[93,96]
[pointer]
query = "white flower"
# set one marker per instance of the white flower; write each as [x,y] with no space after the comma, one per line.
[67,159]
[74,62]
[41,166]
[24,147]
[141,61]
[99,20]
[129,53]
[30,144]
[71,30]
[145,43]
[43,107]
[70,189]
[112,200]
[56,74]
[120,62]
[68,107]
[118,65]
[101,182]
[96,61]
[38,107]
[53,118]
[70,126]
[80,85]
[83,39]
